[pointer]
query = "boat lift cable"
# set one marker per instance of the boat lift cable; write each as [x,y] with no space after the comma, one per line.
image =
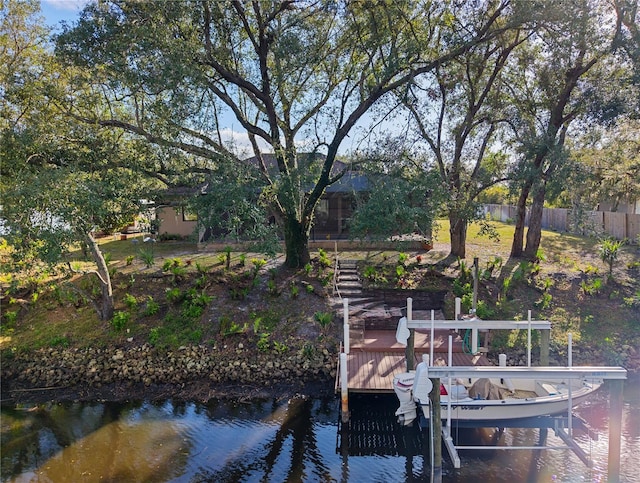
[466,343]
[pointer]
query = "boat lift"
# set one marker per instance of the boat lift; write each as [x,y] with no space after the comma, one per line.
[583,373]
[404,335]
[617,375]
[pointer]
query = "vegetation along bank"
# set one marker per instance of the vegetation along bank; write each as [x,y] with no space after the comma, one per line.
[211,323]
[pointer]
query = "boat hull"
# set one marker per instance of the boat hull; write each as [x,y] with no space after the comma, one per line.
[541,398]
[507,409]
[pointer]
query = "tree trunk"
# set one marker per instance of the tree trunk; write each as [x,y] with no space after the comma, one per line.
[458,232]
[105,280]
[518,235]
[296,239]
[534,233]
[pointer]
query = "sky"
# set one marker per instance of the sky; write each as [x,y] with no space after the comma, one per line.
[55,11]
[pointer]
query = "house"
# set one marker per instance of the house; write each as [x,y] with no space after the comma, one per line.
[333,211]
[172,217]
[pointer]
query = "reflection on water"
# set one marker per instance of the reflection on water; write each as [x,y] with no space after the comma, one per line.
[271,440]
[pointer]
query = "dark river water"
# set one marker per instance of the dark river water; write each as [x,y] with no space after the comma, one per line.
[280,440]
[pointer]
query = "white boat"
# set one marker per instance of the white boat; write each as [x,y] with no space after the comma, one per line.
[489,400]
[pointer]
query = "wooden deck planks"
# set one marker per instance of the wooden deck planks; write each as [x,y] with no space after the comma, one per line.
[372,365]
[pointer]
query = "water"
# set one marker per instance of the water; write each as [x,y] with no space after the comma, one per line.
[278,440]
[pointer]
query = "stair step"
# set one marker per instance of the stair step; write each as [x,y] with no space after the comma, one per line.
[347,265]
[348,278]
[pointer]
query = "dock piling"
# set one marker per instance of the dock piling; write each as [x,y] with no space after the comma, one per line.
[615,429]
[344,390]
[409,350]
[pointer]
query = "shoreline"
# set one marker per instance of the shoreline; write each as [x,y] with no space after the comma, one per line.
[197,373]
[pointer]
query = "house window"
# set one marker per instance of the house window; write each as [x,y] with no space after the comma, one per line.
[188,215]
[322,209]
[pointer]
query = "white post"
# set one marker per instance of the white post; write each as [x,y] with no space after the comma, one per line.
[474,340]
[570,382]
[457,314]
[431,341]
[529,340]
[502,360]
[409,309]
[450,362]
[345,306]
[344,388]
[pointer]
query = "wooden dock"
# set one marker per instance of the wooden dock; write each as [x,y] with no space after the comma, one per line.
[377,357]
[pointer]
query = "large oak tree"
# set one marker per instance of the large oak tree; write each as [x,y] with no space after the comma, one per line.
[56,180]
[288,71]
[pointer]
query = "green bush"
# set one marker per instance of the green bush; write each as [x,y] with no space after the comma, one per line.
[192,311]
[323,259]
[154,336]
[147,257]
[9,319]
[130,301]
[280,347]
[59,341]
[120,320]
[151,307]
[324,319]
[608,251]
[174,295]
[264,344]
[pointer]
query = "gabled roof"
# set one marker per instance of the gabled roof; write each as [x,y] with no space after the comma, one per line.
[351,181]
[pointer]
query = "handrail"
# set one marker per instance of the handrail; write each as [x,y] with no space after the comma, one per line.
[336,290]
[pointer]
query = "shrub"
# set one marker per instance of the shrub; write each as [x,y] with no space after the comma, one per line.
[308,350]
[120,320]
[264,344]
[151,307]
[324,319]
[147,257]
[59,341]
[608,251]
[257,263]
[154,336]
[177,273]
[370,272]
[174,295]
[227,255]
[280,347]
[460,289]
[10,318]
[130,301]
[591,288]
[192,311]
[483,311]
[495,263]
[545,300]
[323,259]
[201,299]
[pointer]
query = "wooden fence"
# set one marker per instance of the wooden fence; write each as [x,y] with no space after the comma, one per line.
[618,225]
